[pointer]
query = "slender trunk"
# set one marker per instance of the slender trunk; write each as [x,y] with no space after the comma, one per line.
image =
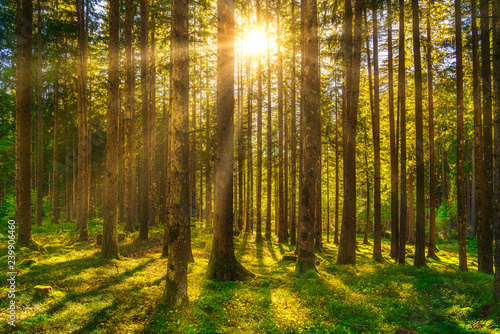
[401,251]
[377,204]
[327,196]
[347,248]
[39,173]
[431,252]
[293,144]
[411,209]
[110,233]
[337,188]
[462,223]
[153,193]
[281,203]
[393,143]
[367,225]
[55,157]
[269,134]
[192,148]
[486,263]
[249,199]
[258,237]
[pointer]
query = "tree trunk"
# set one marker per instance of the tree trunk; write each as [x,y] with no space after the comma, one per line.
[347,248]
[241,203]
[496,93]
[145,168]
[223,265]
[431,252]
[153,193]
[110,233]
[462,223]
[486,263]
[367,225]
[293,140]
[249,199]
[192,147]
[39,173]
[208,169]
[281,190]
[337,188]
[269,134]
[393,143]
[377,204]
[411,209]
[24,89]
[55,157]
[83,185]
[258,237]
[178,210]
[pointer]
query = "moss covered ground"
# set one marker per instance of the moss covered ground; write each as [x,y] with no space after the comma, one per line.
[95,295]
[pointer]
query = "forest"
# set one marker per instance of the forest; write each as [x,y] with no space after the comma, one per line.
[264,166]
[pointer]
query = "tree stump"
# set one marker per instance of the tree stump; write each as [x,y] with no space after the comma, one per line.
[42,290]
[99,239]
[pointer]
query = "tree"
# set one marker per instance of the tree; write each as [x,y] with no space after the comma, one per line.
[393,142]
[462,223]
[258,237]
[347,248]
[55,163]
[269,134]
[222,264]
[377,205]
[39,171]
[293,140]
[144,214]
[431,250]
[401,250]
[496,92]
[24,89]
[208,168]
[83,182]
[249,189]
[178,206]
[311,122]
[281,202]
[486,261]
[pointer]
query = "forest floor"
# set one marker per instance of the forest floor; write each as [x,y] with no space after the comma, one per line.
[95,295]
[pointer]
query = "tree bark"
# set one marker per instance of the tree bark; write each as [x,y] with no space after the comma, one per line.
[281,202]
[39,172]
[55,157]
[486,263]
[178,209]
[347,248]
[110,233]
[401,251]
[24,89]
[223,265]
[269,134]
[431,251]
[337,188]
[411,208]
[249,199]
[293,140]
[462,222]
[258,236]
[241,203]
[208,168]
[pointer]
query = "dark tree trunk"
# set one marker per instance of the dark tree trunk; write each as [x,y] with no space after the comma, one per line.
[39,172]
[153,193]
[109,233]
[393,143]
[462,222]
[401,251]
[249,199]
[55,157]
[83,186]
[411,208]
[431,251]
[293,141]
[24,89]
[347,248]
[223,265]
[178,208]
[208,168]
[337,188]
[241,203]
[269,134]
[258,237]
[281,190]
[311,121]
[367,225]
[486,263]
[377,204]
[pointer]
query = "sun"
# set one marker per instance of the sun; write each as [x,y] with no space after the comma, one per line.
[256,42]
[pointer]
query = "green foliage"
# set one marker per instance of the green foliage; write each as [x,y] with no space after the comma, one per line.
[446,220]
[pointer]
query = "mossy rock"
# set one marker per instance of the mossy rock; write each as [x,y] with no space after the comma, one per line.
[42,290]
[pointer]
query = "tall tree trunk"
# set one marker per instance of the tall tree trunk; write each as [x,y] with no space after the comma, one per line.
[337,188]
[83,186]
[55,157]
[462,222]
[110,233]
[241,203]
[269,133]
[347,248]
[192,147]
[401,251]
[393,143]
[153,193]
[419,131]
[496,93]
[178,209]
[75,178]
[208,169]
[67,149]
[431,251]
[24,89]
[293,140]
[249,199]
[129,120]
[39,173]
[327,195]
[258,237]
[367,225]
[486,263]
[223,265]
[281,202]
[311,121]
[377,204]
[411,208]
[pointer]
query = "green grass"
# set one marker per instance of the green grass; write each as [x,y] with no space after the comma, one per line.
[95,295]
